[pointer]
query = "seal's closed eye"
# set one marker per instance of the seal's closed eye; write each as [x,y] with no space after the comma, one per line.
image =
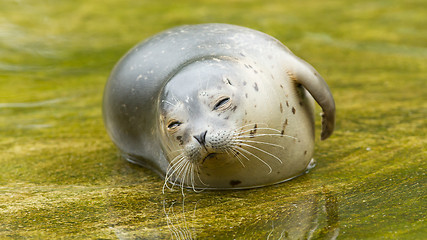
[222,104]
[173,125]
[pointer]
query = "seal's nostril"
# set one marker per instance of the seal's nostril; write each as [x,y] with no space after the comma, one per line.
[201,138]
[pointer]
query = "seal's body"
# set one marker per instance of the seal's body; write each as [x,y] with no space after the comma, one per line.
[216,106]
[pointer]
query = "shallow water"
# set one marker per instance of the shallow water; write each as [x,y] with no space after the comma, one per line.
[61,177]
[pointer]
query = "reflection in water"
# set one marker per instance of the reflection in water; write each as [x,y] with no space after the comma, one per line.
[315,217]
[312,217]
[267,213]
[331,230]
[178,225]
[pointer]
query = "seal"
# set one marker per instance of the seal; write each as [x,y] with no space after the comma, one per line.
[216,106]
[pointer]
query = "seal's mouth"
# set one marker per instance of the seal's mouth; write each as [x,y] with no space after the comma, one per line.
[210,155]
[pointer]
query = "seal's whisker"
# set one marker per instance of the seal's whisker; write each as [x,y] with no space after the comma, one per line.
[173,164]
[184,176]
[168,175]
[246,151]
[198,175]
[166,184]
[171,171]
[252,141]
[236,154]
[193,179]
[174,161]
[178,170]
[188,175]
[251,124]
[266,134]
[250,130]
[235,149]
[259,149]
[179,175]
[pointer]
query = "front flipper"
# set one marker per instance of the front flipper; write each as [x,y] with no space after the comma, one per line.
[304,74]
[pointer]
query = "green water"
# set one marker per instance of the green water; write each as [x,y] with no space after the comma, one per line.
[61,177]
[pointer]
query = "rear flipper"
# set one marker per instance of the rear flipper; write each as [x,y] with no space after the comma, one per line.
[304,74]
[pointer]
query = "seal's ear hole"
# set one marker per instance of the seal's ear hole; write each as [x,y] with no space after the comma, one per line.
[222,103]
[173,125]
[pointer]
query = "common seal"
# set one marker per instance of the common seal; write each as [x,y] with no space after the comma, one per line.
[216,106]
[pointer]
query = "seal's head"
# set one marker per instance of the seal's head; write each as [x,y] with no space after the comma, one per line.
[198,118]
[212,129]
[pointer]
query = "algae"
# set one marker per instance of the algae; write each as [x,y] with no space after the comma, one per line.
[61,177]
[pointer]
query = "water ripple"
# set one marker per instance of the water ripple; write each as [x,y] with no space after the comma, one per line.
[32,104]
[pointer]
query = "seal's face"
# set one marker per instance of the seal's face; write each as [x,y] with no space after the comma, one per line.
[200,114]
